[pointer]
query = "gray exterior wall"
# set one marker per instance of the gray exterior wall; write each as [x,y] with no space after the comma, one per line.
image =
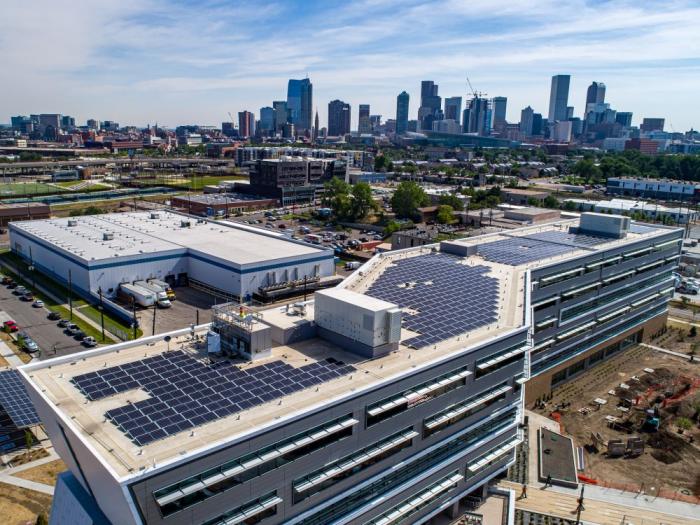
[280,480]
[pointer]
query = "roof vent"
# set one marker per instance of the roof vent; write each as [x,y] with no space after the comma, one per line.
[107,236]
[72,222]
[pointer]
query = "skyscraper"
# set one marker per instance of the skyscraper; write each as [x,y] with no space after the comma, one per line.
[338,118]
[316,124]
[624,118]
[402,113]
[453,109]
[281,114]
[267,119]
[559,98]
[363,124]
[652,124]
[526,118]
[246,124]
[476,118]
[594,95]
[430,104]
[499,112]
[299,103]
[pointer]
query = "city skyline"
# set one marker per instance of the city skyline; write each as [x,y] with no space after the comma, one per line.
[179,64]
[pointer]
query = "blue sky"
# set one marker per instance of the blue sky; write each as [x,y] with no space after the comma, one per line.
[147,61]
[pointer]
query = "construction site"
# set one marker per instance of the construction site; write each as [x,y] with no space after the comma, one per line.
[635,423]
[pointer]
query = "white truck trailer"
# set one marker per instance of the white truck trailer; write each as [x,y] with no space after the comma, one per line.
[140,296]
[161,295]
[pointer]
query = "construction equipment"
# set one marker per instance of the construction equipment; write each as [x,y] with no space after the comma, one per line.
[651,421]
[476,94]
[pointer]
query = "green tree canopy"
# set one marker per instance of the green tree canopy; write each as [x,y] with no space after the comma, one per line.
[445,214]
[452,200]
[362,202]
[407,198]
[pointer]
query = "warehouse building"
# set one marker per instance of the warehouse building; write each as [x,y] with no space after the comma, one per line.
[101,251]
[392,398]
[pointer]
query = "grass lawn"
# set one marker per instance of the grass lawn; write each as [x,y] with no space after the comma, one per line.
[111,324]
[23,356]
[46,473]
[29,188]
[19,506]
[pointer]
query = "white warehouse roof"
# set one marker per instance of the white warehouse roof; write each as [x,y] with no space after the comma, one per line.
[104,237]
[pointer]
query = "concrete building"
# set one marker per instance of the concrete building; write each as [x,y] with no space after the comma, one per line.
[224,204]
[561,131]
[652,124]
[246,124]
[102,251]
[521,196]
[663,189]
[363,124]
[387,399]
[338,118]
[646,146]
[649,210]
[23,212]
[499,105]
[559,98]
[402,101]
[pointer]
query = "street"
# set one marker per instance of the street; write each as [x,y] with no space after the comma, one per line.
[35,322]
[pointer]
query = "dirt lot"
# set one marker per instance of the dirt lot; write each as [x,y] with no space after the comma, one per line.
[19,506]
[46,473]
[678,338]
[671,460]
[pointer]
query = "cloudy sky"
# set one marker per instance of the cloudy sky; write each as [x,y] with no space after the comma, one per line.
[178,62]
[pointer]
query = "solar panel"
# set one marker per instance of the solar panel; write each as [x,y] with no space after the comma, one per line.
[641,228]
[521,250]
[187,392]
[445,297]
[569,239]
[15,400]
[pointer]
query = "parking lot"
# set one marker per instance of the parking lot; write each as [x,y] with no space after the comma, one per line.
[183,312]
[51,339]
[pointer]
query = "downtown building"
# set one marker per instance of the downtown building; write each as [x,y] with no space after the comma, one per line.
[386,400]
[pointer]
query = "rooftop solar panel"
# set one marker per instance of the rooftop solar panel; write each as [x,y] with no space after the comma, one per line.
[521,250]
[569,239]
[15,400]
[187,392]
[448,297]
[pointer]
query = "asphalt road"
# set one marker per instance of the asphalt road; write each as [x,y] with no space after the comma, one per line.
[46,333]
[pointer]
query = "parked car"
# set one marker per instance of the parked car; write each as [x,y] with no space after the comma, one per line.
[79,335]
[6,279]
[29,296]
[54,316]
[20,290]
[10,326]
[89,341]
[38,303]
[72,329]
[12,285]
[377,237]
[29,345]
[64,323]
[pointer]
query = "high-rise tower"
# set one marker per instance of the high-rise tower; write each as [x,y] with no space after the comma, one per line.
[559,97]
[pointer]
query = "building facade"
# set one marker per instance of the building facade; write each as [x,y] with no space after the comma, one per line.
[559,98]
[363,124]
[402,101]
[338,118]
[300,103]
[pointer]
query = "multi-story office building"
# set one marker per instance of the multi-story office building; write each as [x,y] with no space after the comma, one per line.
[499,112]
[430,104]
[453,109]
[228,129]
[624,118]
[652,124]
[338,118]
[267,119]
[246,124]
[385,400]
[281,114]
[526,116]
[669,190]
[595,94]
[364,124]
[300,103]
[477,117]
[402,101]
[559,98]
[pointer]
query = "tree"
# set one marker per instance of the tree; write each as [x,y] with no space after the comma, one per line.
[588,171]
[452,200]
[570,206]
[445,214]
[382,163]
[42,519]
[362,201]
[336,196]
[407,198]
[550,202]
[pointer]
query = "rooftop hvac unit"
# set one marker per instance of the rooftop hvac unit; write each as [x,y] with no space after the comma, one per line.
[72,222]
[107,236]
[155,215]
[184,224]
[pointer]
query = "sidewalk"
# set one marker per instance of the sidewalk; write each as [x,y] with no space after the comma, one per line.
[669,352]
[7,475]
[9,356]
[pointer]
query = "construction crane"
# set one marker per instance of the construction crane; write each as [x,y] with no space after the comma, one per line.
[233,122]
[476,94]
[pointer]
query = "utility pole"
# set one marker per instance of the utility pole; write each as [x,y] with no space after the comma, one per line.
[155,309]
[70,293]
[580,508]
[102,314]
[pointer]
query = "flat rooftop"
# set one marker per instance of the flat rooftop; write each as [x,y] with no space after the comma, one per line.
[134,234]
[153,402]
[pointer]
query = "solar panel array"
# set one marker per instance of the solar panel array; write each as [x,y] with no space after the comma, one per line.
[449,297]
[642,228]
[187,392]
[521,250]
[570,239]
[15,400]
